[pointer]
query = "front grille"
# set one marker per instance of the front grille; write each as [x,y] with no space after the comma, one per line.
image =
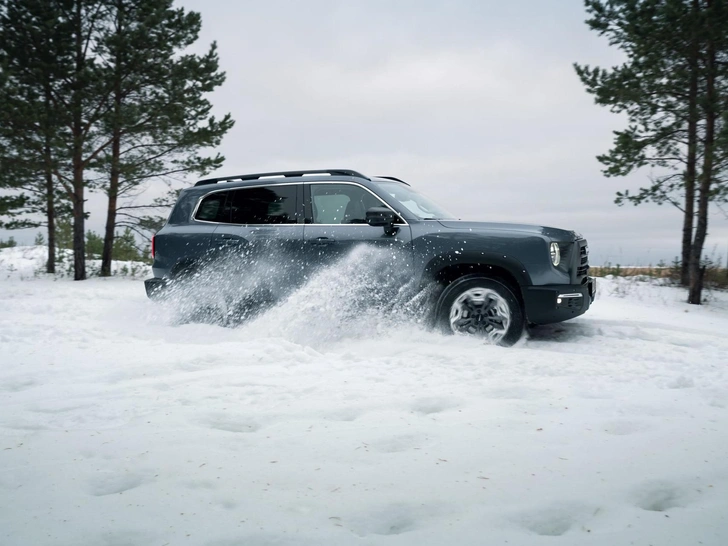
[583,266]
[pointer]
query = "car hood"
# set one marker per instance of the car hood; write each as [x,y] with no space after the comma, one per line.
[466,226]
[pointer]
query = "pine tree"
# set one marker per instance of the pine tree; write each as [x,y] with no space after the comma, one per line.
[674,95]
[158,118]
[61,38]
[125,247]
[99,94]
[94,245]
[33,47]
[64,235]
[10,243]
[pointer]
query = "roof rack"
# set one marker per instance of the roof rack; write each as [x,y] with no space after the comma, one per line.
[287,174]
[393,178]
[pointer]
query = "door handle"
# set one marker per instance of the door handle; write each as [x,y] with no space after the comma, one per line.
[321,241]
[257,232]
[226,239]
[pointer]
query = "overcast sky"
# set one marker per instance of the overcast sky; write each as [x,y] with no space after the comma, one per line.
[474,102]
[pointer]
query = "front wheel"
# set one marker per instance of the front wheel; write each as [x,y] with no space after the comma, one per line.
[479,306]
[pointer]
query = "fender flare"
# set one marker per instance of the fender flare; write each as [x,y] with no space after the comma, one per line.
[480,259]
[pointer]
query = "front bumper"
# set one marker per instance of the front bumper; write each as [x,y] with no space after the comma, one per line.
[558,302]
[155,287]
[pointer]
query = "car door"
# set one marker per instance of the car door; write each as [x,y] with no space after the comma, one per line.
[260,237]
[336,224]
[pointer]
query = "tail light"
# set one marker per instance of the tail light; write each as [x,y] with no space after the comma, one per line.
[153,236]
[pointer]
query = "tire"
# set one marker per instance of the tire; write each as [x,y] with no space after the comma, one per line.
[483,307]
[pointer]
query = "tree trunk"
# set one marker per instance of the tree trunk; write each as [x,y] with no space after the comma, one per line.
[79,240]
[51,220]
[79,232]
[687,238]
[701,231]
[691,170]
[112,192]
[50,187]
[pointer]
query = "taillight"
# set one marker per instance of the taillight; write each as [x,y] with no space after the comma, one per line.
[153,236]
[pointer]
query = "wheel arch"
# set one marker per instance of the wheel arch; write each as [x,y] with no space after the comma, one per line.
[448,268]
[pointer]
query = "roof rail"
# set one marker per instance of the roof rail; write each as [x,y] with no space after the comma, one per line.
[287,174]
[393,178]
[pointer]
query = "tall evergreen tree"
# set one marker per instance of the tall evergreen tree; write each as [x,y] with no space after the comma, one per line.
[99,94]
[158,118]
[72,101]
[665,90]
[33,48]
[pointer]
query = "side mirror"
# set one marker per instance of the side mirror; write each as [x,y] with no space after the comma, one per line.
[382,216]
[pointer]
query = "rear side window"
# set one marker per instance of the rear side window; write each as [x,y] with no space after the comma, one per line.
[212,208]
[182,211]
[264,205]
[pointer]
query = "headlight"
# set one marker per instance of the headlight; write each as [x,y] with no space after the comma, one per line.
[555,254]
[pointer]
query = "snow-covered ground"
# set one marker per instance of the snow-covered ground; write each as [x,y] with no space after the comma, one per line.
[119,426]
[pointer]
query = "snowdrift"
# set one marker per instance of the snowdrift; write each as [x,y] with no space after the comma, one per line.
[120,424]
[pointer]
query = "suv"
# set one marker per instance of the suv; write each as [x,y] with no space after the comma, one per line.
[490,279]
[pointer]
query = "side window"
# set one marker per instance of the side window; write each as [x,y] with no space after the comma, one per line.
[266,205]
[341,203]
[212,208]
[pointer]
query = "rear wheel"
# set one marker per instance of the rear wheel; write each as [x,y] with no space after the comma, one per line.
[482,307]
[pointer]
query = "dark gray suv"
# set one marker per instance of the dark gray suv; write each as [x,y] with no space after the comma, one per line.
[490,279]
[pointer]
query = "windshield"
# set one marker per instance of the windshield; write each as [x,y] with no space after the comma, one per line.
[416,203]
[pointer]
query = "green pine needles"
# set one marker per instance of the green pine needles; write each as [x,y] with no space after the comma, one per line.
[673,89]
[101,95]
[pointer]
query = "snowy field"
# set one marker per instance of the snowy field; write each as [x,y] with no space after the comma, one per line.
[119,426]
